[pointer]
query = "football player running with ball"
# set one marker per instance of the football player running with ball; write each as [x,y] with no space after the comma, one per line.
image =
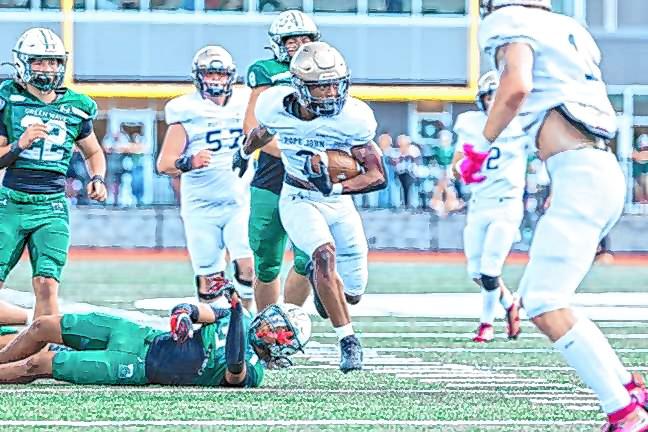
[550,79]
[40,123]
[495,210]
[205,129]
[313,116]
[231,348]
[268,237]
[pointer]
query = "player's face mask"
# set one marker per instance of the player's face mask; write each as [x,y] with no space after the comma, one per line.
[44,73]
[214,81]
[278,332]
[323,98]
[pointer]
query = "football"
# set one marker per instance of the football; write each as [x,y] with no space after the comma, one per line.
[341,165]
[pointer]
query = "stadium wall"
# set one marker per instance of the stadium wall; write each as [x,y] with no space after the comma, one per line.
[385,229]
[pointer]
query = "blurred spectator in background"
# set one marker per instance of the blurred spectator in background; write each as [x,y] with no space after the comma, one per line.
[406,161]
[215,5]
[394,5]
[445,198]
[389,196]
[279,5]
[640,168]
[114,144]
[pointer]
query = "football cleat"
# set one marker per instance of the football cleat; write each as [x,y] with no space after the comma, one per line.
[513,326]
[637,389]
[351,354]
[636,421]
[485,333]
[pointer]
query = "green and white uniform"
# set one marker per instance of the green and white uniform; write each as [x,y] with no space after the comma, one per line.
[33,208]
[113,350]
[267,234]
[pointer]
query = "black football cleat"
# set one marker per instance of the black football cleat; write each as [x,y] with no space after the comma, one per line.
[350,354]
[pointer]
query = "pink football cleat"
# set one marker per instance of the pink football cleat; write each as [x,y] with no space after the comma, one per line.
[636,420]
[485,333]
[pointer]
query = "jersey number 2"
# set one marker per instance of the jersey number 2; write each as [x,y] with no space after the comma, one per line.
[50,149]
[493,155]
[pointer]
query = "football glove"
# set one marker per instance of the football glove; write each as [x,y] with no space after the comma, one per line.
[181,322]
[240,160]
[321,180]
[470,165]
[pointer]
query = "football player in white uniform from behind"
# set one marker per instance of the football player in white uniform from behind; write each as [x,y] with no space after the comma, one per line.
[495,210]
[205,129]
[550,79]
[313,116]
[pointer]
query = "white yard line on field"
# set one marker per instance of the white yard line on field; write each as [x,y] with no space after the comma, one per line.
[326,422]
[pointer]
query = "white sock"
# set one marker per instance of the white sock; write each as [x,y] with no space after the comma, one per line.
[489,302]
[344,331]
[587,350]
[506,299]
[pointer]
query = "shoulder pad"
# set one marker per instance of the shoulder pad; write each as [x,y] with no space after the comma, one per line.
[177,110]
[508,25]
[362,122]
[269,103]
[81,105]
[258,76]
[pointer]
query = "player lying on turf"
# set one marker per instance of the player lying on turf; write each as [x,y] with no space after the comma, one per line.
[312,119]
[230,349]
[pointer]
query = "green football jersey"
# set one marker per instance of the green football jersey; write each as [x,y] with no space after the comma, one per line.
[268,72]
[63,117]
[214,337]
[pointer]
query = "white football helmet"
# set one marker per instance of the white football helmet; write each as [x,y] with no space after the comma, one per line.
[488,6]
[290,23]
[317,64]
[487,84]
[38,44]
[213,59]
[279,331]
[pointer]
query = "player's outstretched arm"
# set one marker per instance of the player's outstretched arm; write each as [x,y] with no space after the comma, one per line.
[96,166]
[370,157]
[515,60]
[236,346]
[171,160]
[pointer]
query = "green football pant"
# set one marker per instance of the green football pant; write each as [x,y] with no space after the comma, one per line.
[268,237]
[110,350]
[40,222]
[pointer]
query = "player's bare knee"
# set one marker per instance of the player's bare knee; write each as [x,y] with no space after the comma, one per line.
[324,260]
[490,283]
[44,327]
[39,364]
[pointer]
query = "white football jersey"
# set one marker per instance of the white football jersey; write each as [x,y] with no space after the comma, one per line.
[219,129]
[355,125]
[566,72]
[505,168]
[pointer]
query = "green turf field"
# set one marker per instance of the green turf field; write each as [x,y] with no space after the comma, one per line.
[422,373]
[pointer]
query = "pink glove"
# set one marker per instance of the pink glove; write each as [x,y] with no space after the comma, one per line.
[471,164]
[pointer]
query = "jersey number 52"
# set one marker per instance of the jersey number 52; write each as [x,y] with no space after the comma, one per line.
[51,148]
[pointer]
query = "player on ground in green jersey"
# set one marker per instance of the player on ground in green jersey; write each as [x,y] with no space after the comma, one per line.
[288,32]
[230,349]
[40,122]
